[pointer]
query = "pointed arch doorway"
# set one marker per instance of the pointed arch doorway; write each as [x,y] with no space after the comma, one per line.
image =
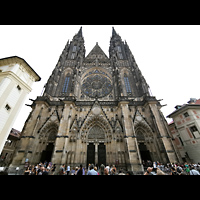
[96,149]
[145,153]
[47,153]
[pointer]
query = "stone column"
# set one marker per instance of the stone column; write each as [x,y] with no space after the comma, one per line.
[78,151]
[163,134]
[134,162]
[62,140]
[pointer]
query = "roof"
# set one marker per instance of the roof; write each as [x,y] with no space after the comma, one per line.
[15,133]
[16,59]
[97,51]
[197,102]
[180,108]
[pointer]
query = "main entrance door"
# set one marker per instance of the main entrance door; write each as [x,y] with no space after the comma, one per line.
[145,154]
[101,154]
[46,154]
[90,154]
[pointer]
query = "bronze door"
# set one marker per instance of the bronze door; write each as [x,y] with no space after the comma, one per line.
[90,154]
[101,154]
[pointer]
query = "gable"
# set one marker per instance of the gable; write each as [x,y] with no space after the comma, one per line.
[139,120]
[96,52]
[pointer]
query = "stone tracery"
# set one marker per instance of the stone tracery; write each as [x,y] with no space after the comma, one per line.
[96,127]
[96,84]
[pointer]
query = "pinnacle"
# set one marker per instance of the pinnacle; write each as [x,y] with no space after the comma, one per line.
[113,32]
[80,32]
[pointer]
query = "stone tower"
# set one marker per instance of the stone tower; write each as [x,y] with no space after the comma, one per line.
[97,110]
[16,80]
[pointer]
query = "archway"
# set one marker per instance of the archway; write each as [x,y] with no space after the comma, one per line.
[142,145]
[146,143]
[96,150]
[49,141]
[96,133]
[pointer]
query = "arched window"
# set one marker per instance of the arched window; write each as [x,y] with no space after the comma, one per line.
[66,83]
[119,52]
[73,52]
[127,84]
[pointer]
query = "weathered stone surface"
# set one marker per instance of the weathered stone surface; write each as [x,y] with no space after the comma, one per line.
[78,120]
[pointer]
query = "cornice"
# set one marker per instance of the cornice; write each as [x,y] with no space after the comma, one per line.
[12,75]
[21,61]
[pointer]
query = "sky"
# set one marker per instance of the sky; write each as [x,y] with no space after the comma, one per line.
[167,55]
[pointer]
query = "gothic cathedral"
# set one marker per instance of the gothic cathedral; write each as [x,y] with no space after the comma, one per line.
[96,109]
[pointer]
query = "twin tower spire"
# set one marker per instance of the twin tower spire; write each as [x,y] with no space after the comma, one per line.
[117,48]
[80,33]
[73,64]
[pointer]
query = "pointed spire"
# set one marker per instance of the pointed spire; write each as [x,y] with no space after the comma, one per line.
[113,32]
[80,32]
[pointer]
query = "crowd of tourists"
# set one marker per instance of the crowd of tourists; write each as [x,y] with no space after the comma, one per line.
[50,169]
[157,168]
[149,168]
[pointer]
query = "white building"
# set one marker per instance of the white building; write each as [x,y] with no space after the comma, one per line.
[16,79]
[186,119]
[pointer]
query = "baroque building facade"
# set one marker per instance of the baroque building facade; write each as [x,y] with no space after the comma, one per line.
[96,109]
[185,130]
[16,80]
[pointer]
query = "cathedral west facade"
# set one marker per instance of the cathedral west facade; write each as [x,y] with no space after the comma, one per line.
[96,109]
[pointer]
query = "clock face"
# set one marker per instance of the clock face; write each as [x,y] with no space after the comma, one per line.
[96,85]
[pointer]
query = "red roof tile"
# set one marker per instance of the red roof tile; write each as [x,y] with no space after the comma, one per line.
[197,101]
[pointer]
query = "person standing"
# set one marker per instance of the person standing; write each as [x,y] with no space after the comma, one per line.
[80,171]
[95,168]
[68,170]
[194,171]
[62,170]
[105,171]
[102,169]
[53,168]
[92,171]
[27,171]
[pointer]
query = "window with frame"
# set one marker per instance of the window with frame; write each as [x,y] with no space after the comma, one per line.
[119,48]
[7,107]
[194,131]
[73,52]
[186,114]
[74,49]
[127,84]
[73,55]
[18,87]
[120,52]
[66,84]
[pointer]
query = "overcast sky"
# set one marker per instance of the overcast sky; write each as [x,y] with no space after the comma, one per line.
[168,56]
